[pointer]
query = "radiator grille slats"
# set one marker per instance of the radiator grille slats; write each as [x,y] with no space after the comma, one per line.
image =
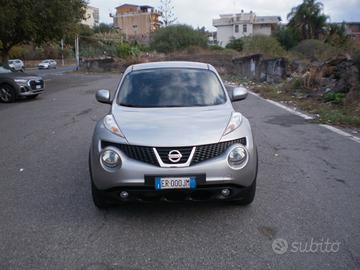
[202,153]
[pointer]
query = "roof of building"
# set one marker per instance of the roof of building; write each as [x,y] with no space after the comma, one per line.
[135,6]
[267,19]
[230,19]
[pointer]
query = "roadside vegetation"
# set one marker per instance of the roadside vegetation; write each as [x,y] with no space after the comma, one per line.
[322,62]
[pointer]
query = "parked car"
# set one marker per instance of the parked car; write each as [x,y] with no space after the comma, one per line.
[172,134]
[16,65]
[15,85]
[47,64]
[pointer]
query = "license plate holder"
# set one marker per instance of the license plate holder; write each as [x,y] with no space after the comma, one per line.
[174,182]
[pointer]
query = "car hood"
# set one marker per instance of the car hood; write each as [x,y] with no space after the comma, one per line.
[172,126]
[21,75]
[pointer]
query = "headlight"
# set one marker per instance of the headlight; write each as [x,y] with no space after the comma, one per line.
[234,123]
[21,81]
[238,157]
[110,124]
[110,158]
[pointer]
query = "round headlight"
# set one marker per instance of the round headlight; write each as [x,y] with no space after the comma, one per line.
[110,158]
[237,157]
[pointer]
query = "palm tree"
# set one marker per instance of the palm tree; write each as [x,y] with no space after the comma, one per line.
[308,19]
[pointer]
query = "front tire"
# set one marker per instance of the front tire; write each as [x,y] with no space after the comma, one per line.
[98,198]
[249,194]
[31,97]
[7,93]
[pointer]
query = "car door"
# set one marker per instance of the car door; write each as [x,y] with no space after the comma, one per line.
[18,64]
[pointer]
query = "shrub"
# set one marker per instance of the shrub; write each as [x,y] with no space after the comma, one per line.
[216,48]
[287,37]
[334,98]
[236,44]
[125,50]
[263,44]
[177,37]
[315,50]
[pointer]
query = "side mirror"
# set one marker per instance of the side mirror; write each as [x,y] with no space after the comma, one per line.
[103,96]
[239,93]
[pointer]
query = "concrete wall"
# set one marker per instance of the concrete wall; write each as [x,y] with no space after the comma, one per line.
[134,24]
[255,67]
[224,34]
[262,29]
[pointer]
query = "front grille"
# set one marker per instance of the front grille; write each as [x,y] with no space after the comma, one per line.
[202,153]
[208,151]
[164,152]
[34,83]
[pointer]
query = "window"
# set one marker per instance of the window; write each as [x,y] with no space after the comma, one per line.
[244,28]
[173,87]
[236,28]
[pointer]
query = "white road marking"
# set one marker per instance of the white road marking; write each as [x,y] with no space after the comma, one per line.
[282,106]
[341,132]
[307,117]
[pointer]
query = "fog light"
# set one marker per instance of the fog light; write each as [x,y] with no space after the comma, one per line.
[110,158]
[124,194]
[225,192]
[237,157]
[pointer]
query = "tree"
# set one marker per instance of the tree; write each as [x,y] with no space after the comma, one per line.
[167,12]
[287,37]
[236,44]
[336,35]
[308,19]
[177,37]
[103,28]
[37,21]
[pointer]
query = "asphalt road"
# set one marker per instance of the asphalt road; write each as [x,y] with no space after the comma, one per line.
[308,195]
[58,71]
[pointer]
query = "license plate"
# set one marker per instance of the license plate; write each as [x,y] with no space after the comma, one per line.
[38,87]
[175,183]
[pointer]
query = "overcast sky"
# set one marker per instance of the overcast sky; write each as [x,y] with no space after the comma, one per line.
[201,12]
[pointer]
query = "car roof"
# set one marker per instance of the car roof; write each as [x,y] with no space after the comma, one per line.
[170,64]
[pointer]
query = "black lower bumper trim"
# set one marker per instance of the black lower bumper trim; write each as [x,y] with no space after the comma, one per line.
[201,193]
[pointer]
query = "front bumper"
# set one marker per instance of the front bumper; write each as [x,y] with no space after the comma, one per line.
[132,174]
[26,90]
[201,193]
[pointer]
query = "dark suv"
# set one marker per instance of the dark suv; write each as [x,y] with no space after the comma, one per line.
[14,85]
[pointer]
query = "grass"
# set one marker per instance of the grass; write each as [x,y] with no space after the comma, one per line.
[324,108]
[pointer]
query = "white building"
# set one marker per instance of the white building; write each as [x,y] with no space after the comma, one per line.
[91,17]
[234,26]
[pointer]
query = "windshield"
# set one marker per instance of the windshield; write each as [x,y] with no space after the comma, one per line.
[4,70]
[171,88]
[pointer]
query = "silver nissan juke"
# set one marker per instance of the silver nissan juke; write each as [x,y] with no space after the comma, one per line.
[172,135]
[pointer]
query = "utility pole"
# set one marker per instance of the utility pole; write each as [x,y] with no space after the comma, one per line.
[62,52]
[77,52]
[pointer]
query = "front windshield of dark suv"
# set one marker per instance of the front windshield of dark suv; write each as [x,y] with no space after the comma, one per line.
[172,87]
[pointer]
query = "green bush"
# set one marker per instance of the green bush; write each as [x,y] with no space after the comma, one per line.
[315,50]
[334,98]
[216,48]
[287,37]
[125,50]
[177,37]
[263,44]
[236,44]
